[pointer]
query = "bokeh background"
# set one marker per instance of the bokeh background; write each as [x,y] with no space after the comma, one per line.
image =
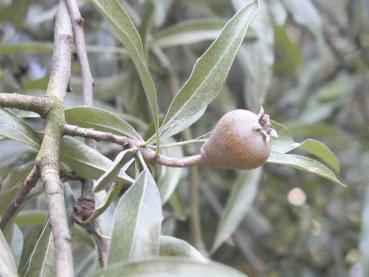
[305,61]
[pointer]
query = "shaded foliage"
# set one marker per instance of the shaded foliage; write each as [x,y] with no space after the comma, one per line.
[306,62]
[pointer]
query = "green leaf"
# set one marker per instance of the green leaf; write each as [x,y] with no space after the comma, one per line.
[305,13]
[121,163]
[191,31]
[321,151]
[305,164]
[290,50]
[169,267]
[169,176]
[41,261]
[285,143]
[11,185]
[81,234]
[238,204]
[257,59]
[208,74]
[17,243]
[85,161]
[113,11]
[17,129]
[7,262]
[30,241]
[84,260]
[7,197]
[30,47]
[11,151]
[100,120]
[137,222]
[31,217]
[170,246]
[16,177]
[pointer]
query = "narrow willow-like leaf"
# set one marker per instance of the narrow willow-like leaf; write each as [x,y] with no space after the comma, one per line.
[238,204]
[7,262]
[191,31]
[41,262]
[11,151]
[17,129]
[85,261]
[321,151]
[7,197]
[113,11]
[30,241]
[257,58]
[17,243]
[305,13]
[170,176]
[100,120]
[85,161]
[121,163]
[30,47]
[137,222]
[285,143]
[169,267]
[208,74]
[16,176]
[171,246]
[305,164]
[31,217]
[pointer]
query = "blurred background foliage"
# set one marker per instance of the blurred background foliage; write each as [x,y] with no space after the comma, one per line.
[305,61]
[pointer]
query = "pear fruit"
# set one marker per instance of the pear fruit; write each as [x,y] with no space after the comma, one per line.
[240,140]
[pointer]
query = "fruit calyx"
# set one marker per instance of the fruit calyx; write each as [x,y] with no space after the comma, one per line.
[265,127]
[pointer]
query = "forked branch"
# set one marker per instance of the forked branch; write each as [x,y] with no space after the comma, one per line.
[48,156]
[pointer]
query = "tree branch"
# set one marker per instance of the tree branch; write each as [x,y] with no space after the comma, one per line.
[80,44]
[73,130]
[40,105]
[148,154]
[28,184]
[87,88]
[48,156]
[190,161]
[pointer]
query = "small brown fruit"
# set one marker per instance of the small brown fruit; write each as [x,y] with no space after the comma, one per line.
[240,140]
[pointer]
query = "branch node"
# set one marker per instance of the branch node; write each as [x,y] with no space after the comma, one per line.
[80,21]
[83,209]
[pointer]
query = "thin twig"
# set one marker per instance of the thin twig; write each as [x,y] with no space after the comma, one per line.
[40,105]
[48,156]
[87,88]
[87,80]
[28,184]
[189,161]
[80,45]
[102,242]
[148,154]
[73,130]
